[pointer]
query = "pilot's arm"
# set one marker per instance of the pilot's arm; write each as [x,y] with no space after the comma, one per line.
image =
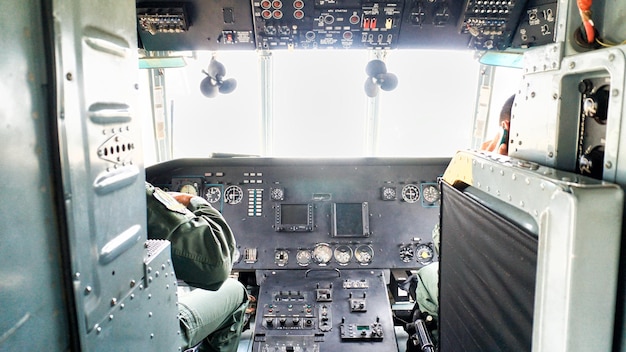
[202,242]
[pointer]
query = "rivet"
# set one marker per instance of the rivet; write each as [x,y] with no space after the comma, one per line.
[132,296]
[608,165]
[113,301]
[69,76]
[132,283]
[615,92]
[77,275]
[611,57]
[572,65]
[149,314]
[88,290]
[98,329]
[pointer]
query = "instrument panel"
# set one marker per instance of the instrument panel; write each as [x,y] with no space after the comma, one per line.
[318,214]
[342,24]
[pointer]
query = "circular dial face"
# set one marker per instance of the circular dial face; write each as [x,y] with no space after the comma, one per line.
[389,193]
[364,254]
[430,193]
[303,257]
[233,194]
[406,253]
[189,189]
[213,194]
[281,257]
[425,254]
[277,194]
[322,253]
[343,254]
[410,193]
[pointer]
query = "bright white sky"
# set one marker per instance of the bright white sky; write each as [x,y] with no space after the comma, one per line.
[320,105]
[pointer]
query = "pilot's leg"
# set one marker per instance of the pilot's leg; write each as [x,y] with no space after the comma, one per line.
[427,291]
[217,316]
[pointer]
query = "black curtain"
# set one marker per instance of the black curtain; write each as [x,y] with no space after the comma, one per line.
[487,278]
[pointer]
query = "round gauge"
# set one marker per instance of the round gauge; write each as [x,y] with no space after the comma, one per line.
[406,253]
[322,253]
[410,193]
[213,194]
[343,254]
[233,194]
[389,193]
[277,194]
[303,257]
[281,257]
[189,189]
[364,254]
[425,254]
[431,193]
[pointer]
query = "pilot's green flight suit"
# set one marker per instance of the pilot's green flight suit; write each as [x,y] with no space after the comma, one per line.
[202,253]
[427,291]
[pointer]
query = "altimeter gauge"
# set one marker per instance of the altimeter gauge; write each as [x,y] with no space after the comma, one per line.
[343,254]
[364,254]
[189,189]
[406,253]
[213,194]
[303,257]
[431,194]
[322,253]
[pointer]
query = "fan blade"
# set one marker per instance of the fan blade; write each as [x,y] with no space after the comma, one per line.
[371,88]
[216,69]
[387,81]
[228,86]
[375,67]
[208,87]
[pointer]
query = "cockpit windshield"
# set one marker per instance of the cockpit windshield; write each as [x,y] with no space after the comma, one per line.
[313,104]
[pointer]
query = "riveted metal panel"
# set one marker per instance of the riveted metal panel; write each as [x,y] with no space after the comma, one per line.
[103,179]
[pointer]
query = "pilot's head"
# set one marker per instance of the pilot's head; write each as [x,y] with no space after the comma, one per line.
[500,143]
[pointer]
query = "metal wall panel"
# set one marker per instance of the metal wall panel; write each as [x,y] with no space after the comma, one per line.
[103,181]
[33,309]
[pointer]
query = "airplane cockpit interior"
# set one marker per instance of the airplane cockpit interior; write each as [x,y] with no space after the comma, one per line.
[349,146]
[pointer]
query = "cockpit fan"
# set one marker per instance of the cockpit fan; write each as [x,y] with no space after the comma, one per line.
[214,81]
[378,77]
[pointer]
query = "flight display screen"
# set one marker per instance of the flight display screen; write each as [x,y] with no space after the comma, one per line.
[294,217]
[350,220]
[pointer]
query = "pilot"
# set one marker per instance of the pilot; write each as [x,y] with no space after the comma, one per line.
[500,142]
[212,314]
